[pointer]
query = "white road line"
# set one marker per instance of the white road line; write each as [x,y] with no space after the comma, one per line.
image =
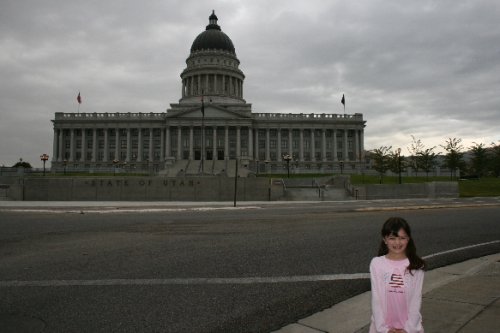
[207,281]
[112,210]
[460,249]
[186,281]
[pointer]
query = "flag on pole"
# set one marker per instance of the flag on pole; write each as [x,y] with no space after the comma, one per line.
[343,101]
[79,98]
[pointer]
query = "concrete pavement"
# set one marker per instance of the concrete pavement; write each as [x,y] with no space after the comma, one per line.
[463,297]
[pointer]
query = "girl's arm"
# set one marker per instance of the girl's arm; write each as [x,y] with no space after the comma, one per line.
[414,322]
[378,306]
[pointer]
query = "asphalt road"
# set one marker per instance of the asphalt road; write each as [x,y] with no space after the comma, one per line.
[251,269]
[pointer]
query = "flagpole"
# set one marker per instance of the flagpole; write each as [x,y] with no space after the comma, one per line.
[202,134]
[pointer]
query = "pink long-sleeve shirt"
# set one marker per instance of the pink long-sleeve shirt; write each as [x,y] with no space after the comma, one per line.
[396,296]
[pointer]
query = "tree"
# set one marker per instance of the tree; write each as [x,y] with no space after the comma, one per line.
[494,161]
[479,159]
[427,160]
[415,149]
[22,164]
[454,155]
[380,160]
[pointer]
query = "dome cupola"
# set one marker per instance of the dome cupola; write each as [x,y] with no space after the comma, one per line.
[212,68]
[213,38]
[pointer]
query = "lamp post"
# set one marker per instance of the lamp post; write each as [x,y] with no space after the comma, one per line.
[44,158]
[341,163]
[257,162]
[399,164]
[65,163]
[115,162]
[287,158]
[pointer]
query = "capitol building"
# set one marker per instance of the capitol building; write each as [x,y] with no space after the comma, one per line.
[211,130]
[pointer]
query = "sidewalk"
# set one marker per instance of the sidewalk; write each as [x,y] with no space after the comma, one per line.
[463,297]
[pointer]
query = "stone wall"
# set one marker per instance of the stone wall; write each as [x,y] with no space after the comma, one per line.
[138,189]
[406,191]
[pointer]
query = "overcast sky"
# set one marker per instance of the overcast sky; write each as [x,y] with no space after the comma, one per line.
[425,68]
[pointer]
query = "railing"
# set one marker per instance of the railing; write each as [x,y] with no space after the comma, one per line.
[116,115]
[302,116]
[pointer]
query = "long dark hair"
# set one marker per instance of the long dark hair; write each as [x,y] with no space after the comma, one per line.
[392,227]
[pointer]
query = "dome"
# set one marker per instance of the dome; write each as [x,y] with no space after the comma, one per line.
[213,38]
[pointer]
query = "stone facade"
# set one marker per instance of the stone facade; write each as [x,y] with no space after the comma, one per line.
[210,125]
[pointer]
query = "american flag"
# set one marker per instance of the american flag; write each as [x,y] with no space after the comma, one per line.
[396,281]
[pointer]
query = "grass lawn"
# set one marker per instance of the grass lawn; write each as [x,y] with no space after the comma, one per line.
[485,187]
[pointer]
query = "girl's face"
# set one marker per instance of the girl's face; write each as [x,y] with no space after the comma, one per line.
[396,245]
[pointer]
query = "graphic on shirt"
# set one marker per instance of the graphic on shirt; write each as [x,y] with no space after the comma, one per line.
[396,281]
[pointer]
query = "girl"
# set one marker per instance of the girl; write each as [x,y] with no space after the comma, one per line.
[396,278]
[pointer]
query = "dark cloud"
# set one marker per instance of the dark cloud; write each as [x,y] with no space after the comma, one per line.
[423,68]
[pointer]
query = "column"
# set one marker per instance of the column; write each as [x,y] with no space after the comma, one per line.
[301,145]
[362,143]
[162,144]
[313,144]
[179,142]
[323,145]
[117,144]
[356,145]
[191,142]
[72,145]
[250,143]
[278,150]
[335,145]
[290,141]
[214,138]
[215,83]
[54,146]
[346,147]
[198,91]
[238,142]
[139,146]
[94,145]
[257,144]
[106,145]
[226,142]
[223,84]
[83,158]
[150,152]
[60,157]
[268,151]
[168,143]
[129,145]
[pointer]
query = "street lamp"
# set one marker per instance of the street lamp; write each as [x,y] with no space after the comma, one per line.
[115,162]
[399,164]
[65,163]
[287,158]
[341,163]
[44,158]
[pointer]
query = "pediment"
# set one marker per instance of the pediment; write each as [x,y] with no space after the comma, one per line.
[211,111]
